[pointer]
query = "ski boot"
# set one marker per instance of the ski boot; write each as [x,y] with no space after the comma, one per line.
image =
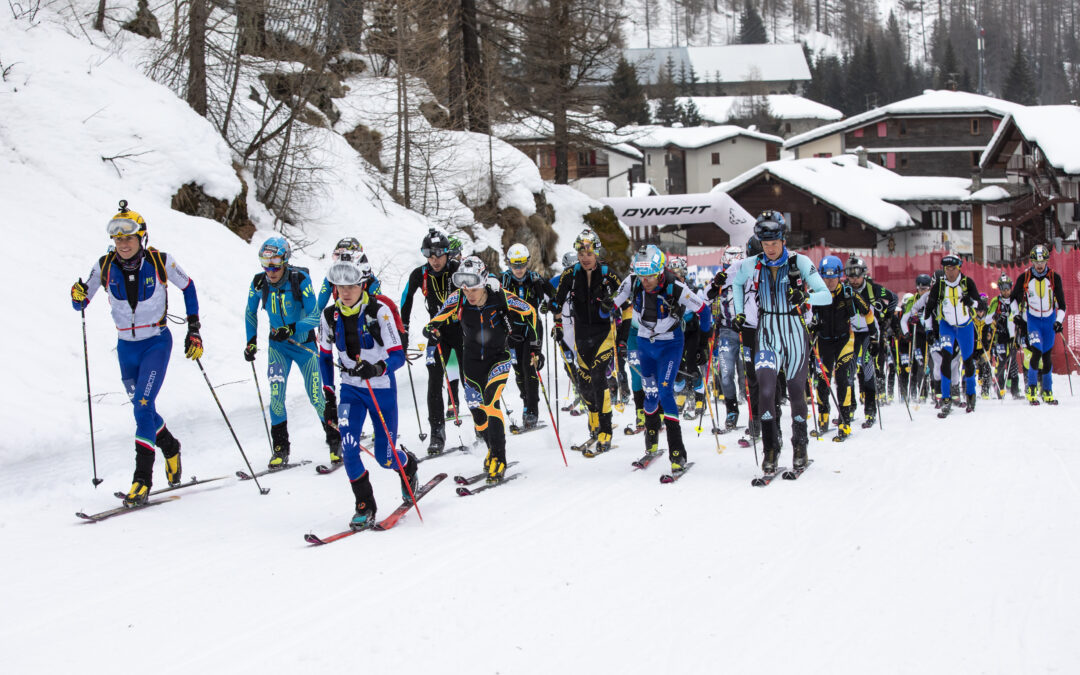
[731,420]
[170,450]
[602,445]
[1048,398]
[843,430]
[528,421]
[438,441]
[451,412]
[496,468]
[279,434]
[946,408]
[970,407]
[639,419]
[409,489]
[799,442]
[1033,395]
[138,494]
[333,442]
[870,421]
[771,447]
[364,516]
[823,425]
[678,459]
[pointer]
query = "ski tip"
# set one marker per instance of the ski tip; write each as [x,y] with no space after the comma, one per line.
[313,540]
[464,492]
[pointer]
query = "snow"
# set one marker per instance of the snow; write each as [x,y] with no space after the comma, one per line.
[733,63]
[720,109]
[990,193]
[655,136]
[1044,126]
[934,542]
[930,102]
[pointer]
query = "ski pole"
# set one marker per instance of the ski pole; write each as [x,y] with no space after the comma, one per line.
[556,421]
[547,402]
[213,393]
[416,406]
[89,405]
[393,451]
[449,391]
[262,407]
[749,404]
[708,403]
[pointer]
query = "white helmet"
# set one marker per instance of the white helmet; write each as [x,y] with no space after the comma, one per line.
[733,254]
[349,270]
[472,273]
[569,259]
[518,256]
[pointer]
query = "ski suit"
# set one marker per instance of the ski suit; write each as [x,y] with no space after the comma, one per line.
[952,304]
[436,288]
[1040,299]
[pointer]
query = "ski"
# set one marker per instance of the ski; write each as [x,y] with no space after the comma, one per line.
[400,511]
[581,447]
[467,492]
[675,475]
[105,515]
[446,451]
[632,430]
[593,451]
[517,431]
[470,480]
[244,475]
[794,474]
[868,424]
[820,435]
[193,481]
[319,541]
[323,469]
[765,479]
[645,460]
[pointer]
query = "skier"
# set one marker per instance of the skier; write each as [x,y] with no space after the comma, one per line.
[589,286]
[536,291]
[659,300]
[747,331]
[285,292]
[834,344]
[868,334]
[952,302]
[566,346]
[1004,343]
[489,317]
[1038,306]
[784,283]
[136,278]
[726,347]
[346,245]
[695,355]
[362,329]
[434,280]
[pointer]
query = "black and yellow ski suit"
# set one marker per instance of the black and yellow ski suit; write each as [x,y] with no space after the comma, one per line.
[436,288]
[835,345]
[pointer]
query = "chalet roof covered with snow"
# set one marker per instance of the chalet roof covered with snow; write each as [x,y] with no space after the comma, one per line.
[727,63]
[720,109]
[930,102]
[870,194]
[1051,127]
[692,138]
[540,129]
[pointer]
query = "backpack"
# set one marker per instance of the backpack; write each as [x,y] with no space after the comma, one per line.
[261,283]
[157,258]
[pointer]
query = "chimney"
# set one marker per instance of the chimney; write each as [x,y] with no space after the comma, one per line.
[976,179]
[860,152]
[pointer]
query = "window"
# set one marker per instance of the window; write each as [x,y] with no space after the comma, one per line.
[836,220]
[903,127]
[890,160]
[716,158]
[787,127]
[648,158]
[717,181]
[935,220]
[882,129]
[975,158]
[974,126]
[960,220]
[858,133]
[823,154]
[903,162]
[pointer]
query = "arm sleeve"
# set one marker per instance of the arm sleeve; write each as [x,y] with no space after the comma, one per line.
[325,291]
[738,285]
[395,355]
[546,289]
[251,316]
[930,300]
[972,290]
[623,294]
[528,315]
[563,288]
[326,352]
[818,291]
[93,283]
[181,280]
[1059,297]
[448,312]
[407,295]
[310,320]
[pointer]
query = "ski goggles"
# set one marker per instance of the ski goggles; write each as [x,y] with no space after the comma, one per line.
[338,252]
[519,264]
[432,252]
[345,273]
[124,227]
[585,245]
[468,280]
[854,272]
[271,261]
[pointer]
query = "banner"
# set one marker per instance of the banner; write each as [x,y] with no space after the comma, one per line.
[660,210]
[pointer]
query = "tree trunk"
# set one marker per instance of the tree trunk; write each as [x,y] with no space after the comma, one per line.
[474,84]
[455,95]
[196,89]
[99,22]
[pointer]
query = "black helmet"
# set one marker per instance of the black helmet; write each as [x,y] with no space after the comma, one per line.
[950,260]
[770,226]
[435,244]
[855,267]
[923,281]
[753,246]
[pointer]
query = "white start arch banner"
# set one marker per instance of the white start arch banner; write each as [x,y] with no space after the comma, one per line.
[660,210]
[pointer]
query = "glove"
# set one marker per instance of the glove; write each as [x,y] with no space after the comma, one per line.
[968,301]
[796,296]
[537,359]
[432,334]
[545,307]
[874,346]
[1057,326]
[608,305]
[556,332]
[249,350]
[79,291]
[281,334]
[1021,325]
[702,356]
[330,411]
[719,280]
[193,348]
[740,321]
[367,371]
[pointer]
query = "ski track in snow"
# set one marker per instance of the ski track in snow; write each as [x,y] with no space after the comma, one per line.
[932,546]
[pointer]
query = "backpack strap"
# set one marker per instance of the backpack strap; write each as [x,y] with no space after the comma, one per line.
[260,283]
[106,262]
[157,258]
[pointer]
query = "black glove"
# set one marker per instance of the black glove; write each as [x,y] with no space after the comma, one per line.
[250,349]
[874,346]
[608,305]
[556,332]
[796,296]
[193,347]
[367,371]
[281,334]
[330,411]
[1057,326]
[405,337]
[702,356]
[545,307]
[1021,325]
[968,301]
[432,334]
[740,321]
[536,358]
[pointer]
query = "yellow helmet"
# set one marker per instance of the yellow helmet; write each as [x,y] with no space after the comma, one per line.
[127,223]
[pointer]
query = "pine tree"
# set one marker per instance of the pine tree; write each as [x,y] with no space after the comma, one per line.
[1020,82]
[667,107]
[948,68]
[684,85]
[624,102]
[691,116]
[751,27]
